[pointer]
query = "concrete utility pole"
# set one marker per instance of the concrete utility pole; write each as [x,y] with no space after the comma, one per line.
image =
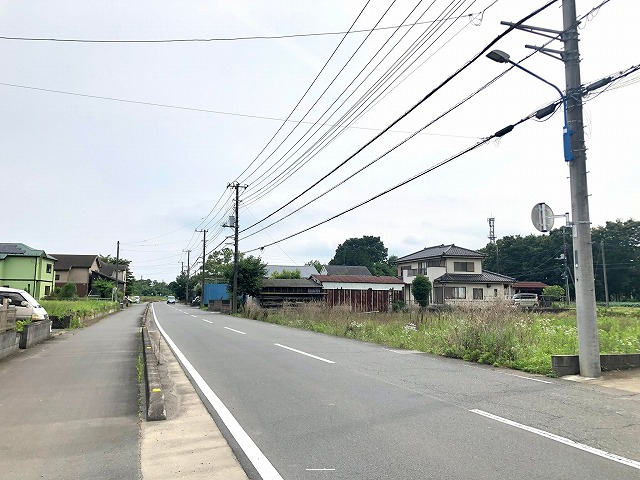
[186,302]
[575,156]
[117,262]
[234,294]
[588,342]
[204,250]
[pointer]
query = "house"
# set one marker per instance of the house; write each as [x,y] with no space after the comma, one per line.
[26,268]
[344,270]
[83,270]
[277,291]
[363,293]
[456,274]
[78,269]
[305,270]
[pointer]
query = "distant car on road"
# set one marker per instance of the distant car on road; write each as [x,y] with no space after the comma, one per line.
[136,299]
[526,300]
[171,299]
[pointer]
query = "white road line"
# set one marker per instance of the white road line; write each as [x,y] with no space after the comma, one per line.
[254,454]
[208,321]
[194,316]
[321,469]
[234,330]
[580,446]
[303,353]
[528,378]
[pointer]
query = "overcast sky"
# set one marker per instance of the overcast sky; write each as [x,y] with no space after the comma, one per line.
[137,141]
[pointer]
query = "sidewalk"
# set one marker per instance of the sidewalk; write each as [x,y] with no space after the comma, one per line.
[69,406]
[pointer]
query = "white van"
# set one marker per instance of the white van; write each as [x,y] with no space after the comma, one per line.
[27,306]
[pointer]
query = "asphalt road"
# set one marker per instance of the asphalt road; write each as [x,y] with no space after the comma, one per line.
[302,405]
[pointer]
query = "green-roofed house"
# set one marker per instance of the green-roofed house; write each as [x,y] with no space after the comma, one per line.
[26,268]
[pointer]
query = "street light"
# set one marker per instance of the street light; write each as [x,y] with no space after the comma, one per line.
[574,155]
[502,57]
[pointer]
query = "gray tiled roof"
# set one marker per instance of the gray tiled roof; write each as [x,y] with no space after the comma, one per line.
[441,251]
[21,250]
[67,261]
[484,277]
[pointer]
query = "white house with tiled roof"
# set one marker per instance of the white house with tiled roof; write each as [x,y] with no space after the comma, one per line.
[456,274]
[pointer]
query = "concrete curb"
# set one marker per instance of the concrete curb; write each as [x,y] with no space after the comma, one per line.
[569,364]
[154,395]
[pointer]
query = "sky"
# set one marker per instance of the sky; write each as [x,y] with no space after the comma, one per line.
[136,139]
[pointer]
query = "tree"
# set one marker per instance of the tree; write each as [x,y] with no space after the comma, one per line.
[251,272]
[286,274]
[68,291]
[103,287]
[555,292]
[421,289]
[315,263]
[368,251]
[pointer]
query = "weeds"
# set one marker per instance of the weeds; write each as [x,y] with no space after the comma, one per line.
[494,334]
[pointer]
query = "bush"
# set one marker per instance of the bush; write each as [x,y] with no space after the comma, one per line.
[68,291]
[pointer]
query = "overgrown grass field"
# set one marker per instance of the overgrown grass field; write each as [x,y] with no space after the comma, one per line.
[497,334]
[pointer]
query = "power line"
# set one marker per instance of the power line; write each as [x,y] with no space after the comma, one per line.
[230,39]
[404,115]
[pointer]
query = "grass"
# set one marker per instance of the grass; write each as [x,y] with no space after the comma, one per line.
[77,309]
[496,334]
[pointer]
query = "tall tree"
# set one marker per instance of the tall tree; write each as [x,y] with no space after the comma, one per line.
[367,251]
[251,272]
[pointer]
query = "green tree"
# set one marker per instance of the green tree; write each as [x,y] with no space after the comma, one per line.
[368,251]
[315,263]
[102,287]
[555,292]
[68,291]
[286,274]
[251,272]
[421,290]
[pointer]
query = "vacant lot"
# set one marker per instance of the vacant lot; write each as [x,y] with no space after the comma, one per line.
[497,334]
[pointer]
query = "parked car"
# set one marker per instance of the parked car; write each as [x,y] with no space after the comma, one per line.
[27,307]
[526,300]
[171,300]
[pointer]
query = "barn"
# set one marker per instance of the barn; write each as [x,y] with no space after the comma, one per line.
[363,293]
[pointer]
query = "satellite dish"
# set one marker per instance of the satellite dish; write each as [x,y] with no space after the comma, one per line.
[542,217]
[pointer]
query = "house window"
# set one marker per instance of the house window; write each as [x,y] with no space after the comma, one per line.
[495,292]
[436,262]
[47,289]
[455,293]
[463,267]
[478,294]
[48,268]
[57,276]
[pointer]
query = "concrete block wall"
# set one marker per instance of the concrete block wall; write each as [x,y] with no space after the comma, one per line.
[8,343]
[35,332]
[569,365]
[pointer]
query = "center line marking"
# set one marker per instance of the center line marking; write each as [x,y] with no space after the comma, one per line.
[321,469]
[234,330]
[194,316]
[303,353]
[208,321]
[566,441]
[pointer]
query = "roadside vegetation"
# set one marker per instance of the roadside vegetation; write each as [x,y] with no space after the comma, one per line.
[497,334]
[77,309]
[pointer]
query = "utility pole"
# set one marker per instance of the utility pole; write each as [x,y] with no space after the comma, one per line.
[204,250]
[575,156]
[234,295]
[604,272]
[188,273]
[588,342]
[117,263]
